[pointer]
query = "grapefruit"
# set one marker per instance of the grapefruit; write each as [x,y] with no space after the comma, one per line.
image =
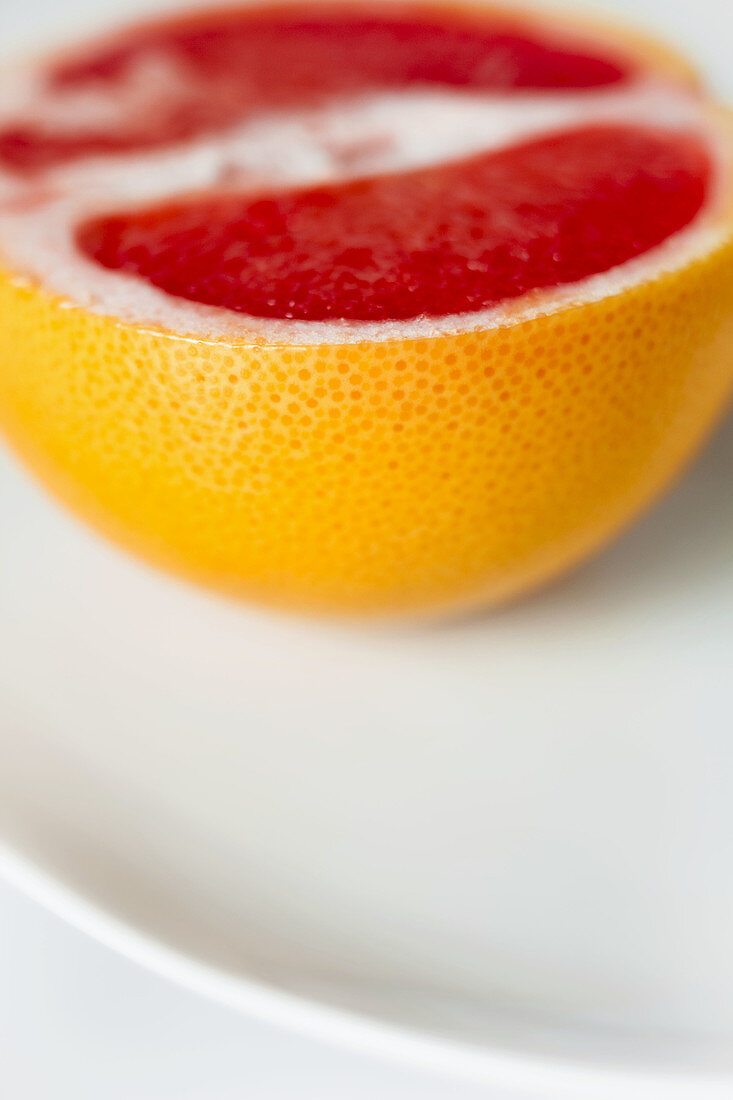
[363,307]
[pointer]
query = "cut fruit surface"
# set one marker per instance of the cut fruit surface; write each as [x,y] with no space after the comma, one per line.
[453,239]
[363,308]
[204,73]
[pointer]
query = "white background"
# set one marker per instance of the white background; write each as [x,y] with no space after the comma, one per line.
[80,1023]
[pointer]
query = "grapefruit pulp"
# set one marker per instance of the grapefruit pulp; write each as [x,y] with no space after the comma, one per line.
[363,308]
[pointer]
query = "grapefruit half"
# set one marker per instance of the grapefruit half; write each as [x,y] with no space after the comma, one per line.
[363,307]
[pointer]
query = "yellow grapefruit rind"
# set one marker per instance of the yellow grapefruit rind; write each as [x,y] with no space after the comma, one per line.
[398,475]
[401,475]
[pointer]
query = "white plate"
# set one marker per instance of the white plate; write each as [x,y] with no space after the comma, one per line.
[502,847]
[506,842]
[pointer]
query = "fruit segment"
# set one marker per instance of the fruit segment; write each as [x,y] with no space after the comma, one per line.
[204,73]
[454,239]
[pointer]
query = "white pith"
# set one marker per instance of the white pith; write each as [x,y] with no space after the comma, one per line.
[376,133]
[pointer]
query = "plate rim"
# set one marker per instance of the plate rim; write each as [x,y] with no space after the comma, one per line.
[522,1074]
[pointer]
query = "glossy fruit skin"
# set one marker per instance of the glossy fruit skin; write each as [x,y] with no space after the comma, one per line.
[396,476]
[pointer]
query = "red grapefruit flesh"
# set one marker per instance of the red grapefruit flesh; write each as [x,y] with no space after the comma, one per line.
[453,239]
[225,66]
